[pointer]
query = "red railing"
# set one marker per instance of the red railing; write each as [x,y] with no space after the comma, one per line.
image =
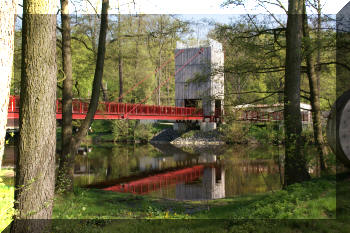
[114,110]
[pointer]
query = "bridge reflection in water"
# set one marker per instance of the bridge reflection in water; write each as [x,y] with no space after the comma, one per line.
[181,174]
[212,186]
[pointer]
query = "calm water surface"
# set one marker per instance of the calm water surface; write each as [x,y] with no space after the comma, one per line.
[191,173]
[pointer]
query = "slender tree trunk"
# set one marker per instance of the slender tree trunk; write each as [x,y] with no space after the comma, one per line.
[104,92]
[65,169]
[159,74]
[35,165]
[120,74]
[7,38]
[137,46]
[319,44]
[314,94]
[84,127]
[295,163]
[120,59]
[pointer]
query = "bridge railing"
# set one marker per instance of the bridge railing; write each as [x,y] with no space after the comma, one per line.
[13,104]
[113,108]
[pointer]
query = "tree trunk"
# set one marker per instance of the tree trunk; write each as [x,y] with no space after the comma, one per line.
[314,94]
[120,73]
[35,165]
[104,92]
[66,168]
[295,163]
[319,44]
[7,35]
[66,158]
[159,74]
[84,127]
[120,61]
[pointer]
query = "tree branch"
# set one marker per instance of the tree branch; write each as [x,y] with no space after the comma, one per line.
[84,43]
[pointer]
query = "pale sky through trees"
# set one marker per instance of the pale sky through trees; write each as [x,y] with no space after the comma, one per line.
[185,7]
[193,10]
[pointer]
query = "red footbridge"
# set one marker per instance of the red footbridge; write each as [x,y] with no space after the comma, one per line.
[115,110]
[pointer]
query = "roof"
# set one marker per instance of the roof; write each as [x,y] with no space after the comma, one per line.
[302,106]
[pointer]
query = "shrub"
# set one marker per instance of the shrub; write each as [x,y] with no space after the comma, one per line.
[266,133]
[131,130]
[234,133]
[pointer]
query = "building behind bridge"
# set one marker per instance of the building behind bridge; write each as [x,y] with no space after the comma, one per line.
[268,112]
[200,83]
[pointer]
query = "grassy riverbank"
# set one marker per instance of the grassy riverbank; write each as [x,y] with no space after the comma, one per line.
[315,199]
[6,197]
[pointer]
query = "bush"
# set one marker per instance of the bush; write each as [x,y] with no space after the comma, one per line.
[267,133]
[102,126]
[131,130]
[143,132]
[234,133]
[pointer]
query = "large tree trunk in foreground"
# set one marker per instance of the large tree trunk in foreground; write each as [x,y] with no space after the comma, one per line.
[295,164]
[66,158]
[35,165]
[314,94]
[7,35]
[67,168]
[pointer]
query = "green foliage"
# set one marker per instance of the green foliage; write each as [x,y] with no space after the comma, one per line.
[254,65]
[267,133]
[234,133]
[190,134]
[132,130]
[102,126]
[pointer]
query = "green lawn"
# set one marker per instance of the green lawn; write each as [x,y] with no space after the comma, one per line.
[6,197]
[315,199]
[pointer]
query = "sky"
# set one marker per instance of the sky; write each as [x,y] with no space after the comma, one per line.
[194,10]
[208,7]
[187,7]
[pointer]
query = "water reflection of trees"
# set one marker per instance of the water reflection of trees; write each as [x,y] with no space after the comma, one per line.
[251,170]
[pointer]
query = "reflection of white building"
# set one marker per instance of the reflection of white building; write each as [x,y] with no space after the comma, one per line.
[207,158]
[152,163]
[211,187]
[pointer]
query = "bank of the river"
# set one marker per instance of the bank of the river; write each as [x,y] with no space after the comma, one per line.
[6,197]
[315,199]
[164,133]
[197,137]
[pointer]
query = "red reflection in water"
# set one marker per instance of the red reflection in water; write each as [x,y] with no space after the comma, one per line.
[153,183]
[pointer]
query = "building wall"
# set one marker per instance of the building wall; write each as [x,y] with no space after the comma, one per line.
[201,79]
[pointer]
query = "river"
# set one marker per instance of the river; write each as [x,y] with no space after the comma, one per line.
[186,173]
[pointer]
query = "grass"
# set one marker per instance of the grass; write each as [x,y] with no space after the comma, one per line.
[104,211]
[6,197]
[314,199]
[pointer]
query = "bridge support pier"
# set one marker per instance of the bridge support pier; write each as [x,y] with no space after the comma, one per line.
[207,126]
